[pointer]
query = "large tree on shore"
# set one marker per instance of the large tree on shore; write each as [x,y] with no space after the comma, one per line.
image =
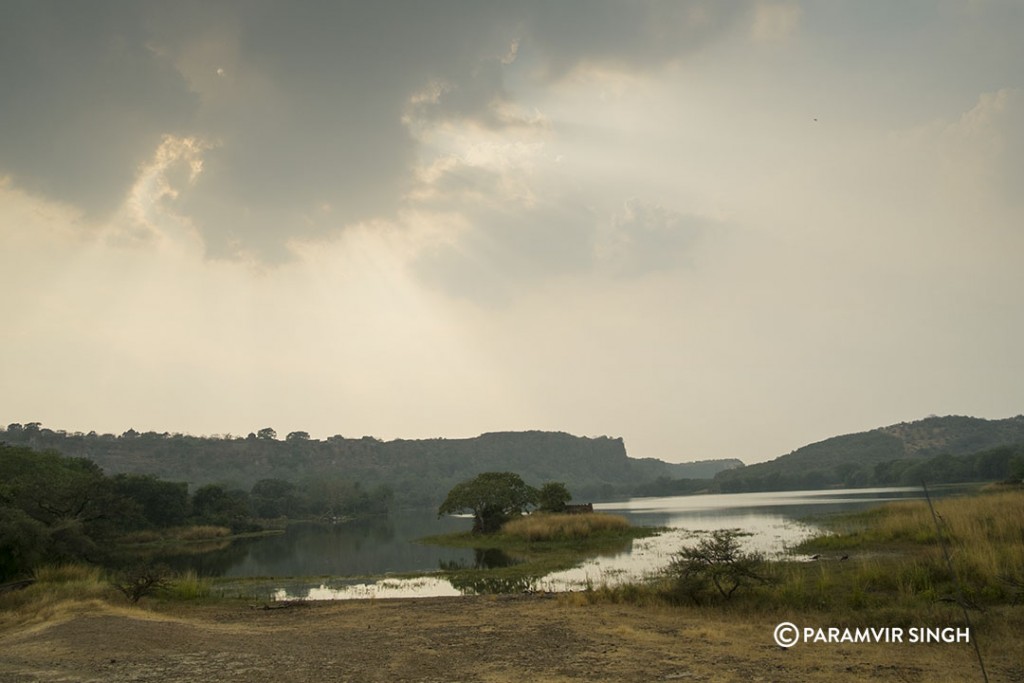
[492,497]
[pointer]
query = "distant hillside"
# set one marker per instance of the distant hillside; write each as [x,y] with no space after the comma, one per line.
[699,469]
[419,471]
[884,456]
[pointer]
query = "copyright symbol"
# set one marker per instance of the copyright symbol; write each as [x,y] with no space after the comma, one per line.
[787,634]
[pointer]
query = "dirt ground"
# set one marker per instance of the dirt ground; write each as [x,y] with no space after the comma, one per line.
[540,639]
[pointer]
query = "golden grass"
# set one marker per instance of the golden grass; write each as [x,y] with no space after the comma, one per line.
[984,535]
[77,575]
[552,527]
[56,590]
[63,590]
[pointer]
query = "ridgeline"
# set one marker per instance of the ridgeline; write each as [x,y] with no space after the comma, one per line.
[936,449]
[418,472]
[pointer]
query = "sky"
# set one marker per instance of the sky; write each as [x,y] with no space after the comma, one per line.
[714,229]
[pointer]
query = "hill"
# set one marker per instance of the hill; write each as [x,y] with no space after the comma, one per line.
[937,448]
[420,472]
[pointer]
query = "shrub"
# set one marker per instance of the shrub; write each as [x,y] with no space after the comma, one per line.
[141,580]
[715,568]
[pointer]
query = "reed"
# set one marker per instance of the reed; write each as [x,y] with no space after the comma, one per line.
[985,535]
[189,586]
[556,527]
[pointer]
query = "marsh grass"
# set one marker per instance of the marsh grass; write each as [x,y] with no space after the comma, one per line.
[540,544]
[558,527]
[896,547]
[189,586]
[895,572]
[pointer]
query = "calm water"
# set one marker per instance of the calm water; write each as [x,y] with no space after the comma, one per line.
[351,558]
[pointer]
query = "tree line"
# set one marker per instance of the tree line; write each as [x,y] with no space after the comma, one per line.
[55,508]
[418,471]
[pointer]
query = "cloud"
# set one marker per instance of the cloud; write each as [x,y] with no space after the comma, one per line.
[85,101]
[628,36]
[775,21]
[302,107]
[645,237]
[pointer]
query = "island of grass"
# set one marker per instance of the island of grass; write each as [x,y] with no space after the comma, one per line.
[527,548]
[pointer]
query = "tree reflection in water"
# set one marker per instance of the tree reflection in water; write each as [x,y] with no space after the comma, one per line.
[483,558]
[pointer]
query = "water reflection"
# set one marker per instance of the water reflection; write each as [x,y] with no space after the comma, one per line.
[483,558]
[387,545]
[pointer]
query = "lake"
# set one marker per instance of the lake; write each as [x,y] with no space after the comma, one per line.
[355,559]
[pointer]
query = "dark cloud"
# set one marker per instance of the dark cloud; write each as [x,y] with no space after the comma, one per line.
[306,122]
[85,101]
[624,35]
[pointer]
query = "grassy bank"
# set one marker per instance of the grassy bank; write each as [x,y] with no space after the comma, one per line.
[885,565]
[58,590]
[895,549]
[528,548]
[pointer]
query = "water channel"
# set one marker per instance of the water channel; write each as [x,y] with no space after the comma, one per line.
[360,559]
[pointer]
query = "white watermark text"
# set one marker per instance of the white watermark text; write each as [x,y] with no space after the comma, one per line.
[788,634]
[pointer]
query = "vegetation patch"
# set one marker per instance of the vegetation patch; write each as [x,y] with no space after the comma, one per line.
[557,527]
[518,556]
[885,565]
[189,586]
[54,589]
[897,547]
[715,568]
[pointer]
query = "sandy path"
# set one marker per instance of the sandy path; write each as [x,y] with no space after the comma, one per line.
[523,638]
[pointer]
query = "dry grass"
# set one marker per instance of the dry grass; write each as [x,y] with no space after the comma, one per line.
[64,590]
[57,590]
[984,535]
[555,527]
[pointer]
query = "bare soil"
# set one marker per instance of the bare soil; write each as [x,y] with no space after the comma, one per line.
[540,639]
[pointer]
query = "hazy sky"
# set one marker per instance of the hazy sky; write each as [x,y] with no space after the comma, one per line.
[715,229]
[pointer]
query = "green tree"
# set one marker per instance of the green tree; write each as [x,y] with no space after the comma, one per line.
[213,504]
[1016,469]
[267,433]
[715,567]
[553,496]
[274,498]
[53,508]
[163,503]
[24,542]
[492,497]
